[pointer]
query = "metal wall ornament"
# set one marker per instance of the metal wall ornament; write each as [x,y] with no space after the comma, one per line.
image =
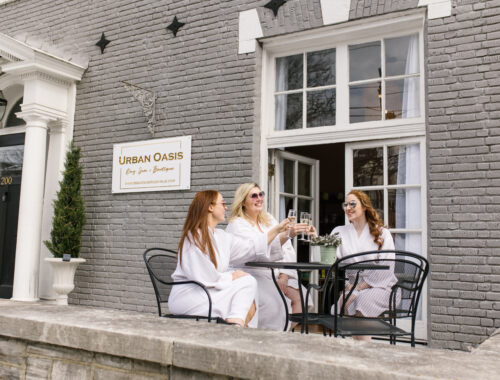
[175,26]
[275,5]
[147,99]
[102,43]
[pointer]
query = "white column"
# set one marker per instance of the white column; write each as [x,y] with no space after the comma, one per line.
[30,210]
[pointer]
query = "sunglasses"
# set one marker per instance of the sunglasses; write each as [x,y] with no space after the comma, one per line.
[258,195]
[351,205]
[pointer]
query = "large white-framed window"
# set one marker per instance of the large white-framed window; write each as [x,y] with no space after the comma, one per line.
[392,173]
[341,83]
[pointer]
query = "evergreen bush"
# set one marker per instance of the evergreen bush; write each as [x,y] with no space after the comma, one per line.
[69,209]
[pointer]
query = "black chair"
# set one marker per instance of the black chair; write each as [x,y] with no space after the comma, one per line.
[161,263]
[405,271]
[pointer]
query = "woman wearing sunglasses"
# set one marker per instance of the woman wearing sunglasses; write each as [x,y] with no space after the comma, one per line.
[249,220]
[366,232]
[205,255]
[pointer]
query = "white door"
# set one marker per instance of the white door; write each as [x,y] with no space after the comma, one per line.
[296,187]
[392,173]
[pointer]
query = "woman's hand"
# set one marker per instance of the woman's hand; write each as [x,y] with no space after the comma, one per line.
[283,225]
[296,229]
[283,282]
[312,231]
[239,273]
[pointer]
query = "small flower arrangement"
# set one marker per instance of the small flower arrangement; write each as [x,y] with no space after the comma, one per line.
[333,240]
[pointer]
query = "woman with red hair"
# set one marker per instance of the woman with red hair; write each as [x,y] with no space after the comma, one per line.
[366,232]
[205,254]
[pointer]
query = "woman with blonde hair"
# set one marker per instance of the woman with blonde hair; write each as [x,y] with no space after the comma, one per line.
[366,232]
[249,220]
[205,255]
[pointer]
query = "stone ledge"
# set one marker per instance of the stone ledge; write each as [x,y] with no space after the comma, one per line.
[231,351]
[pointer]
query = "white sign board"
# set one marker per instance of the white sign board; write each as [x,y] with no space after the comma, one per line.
[152,165]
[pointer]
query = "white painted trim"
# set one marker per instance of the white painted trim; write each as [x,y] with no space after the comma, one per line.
[332,135]
[335,11]
[420,325]
[436,8]
[248,31]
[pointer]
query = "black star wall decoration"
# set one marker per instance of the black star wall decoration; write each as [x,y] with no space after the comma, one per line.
[102,43]
[275,5]
[175,26]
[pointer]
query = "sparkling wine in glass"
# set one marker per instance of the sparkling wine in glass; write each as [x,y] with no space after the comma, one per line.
[292,218]
[309,224]
[304,218]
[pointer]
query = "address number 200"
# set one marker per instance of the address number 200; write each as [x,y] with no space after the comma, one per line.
[5,181]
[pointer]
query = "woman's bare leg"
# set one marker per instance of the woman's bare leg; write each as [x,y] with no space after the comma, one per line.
[235,321]
[294,296]
[251,314]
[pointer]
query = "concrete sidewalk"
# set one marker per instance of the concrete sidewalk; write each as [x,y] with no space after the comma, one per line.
[59,341]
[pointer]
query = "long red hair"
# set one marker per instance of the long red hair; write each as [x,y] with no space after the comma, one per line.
[196,225]
[374,223]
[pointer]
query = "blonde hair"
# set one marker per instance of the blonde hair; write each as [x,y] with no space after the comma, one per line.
[238,208]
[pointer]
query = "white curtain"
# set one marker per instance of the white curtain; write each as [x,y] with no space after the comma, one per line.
[282,205]
[408,204]
[281,100]
[411,100]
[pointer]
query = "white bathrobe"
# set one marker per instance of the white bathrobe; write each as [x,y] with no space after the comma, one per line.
[271,309]
[371,302]
[230,299]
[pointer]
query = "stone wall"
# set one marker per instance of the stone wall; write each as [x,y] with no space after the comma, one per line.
[75,342]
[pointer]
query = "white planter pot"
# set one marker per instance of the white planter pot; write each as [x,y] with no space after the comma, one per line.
[328,254]
[64,275]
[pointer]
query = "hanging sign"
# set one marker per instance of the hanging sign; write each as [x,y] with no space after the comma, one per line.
[152,165]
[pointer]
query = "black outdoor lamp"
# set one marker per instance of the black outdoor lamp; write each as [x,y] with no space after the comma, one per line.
[3,105]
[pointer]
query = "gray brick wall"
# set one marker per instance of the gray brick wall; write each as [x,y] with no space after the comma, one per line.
[463,157]
[205,89]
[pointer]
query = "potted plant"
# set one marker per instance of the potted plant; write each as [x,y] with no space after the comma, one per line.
[67,227]
[328,246]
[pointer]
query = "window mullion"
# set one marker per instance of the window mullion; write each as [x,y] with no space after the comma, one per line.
[382,79]
[386,192]
[304,92]
[342,82]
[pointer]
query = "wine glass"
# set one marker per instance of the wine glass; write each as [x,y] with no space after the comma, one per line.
[292,218]
[309,224]
[304,219]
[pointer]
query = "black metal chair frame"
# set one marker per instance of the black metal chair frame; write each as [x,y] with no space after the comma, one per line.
[155,278]
[385,324]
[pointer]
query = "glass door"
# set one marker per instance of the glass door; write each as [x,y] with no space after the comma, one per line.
[11,161]
[392,173]
[297,188]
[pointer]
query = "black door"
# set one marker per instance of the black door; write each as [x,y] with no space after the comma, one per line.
[11,153]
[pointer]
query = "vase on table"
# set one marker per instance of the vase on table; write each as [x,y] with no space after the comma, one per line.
[328,254]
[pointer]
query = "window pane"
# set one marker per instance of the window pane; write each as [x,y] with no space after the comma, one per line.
[321,68]
[401,55]
[403,164]
[368,167]
[364,61]
[404,208]
[365,103]
[286,183]
[289,71]
[377,198]
[402,98]
[304,179]
[321,108]
[286,203]
[408,242]
[304,206]
[288,111]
